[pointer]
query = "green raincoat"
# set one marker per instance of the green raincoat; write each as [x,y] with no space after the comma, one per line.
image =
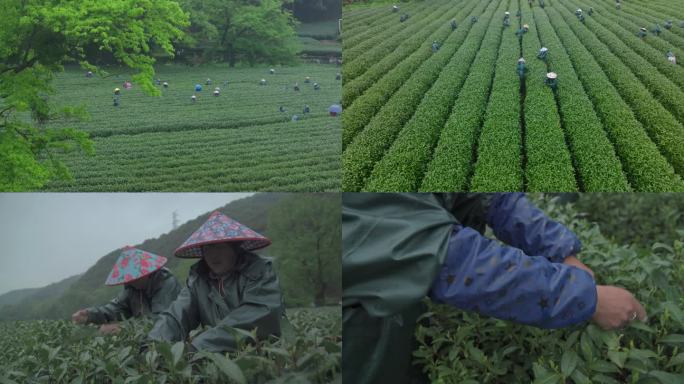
[415,230]
[161,291]
[246,298]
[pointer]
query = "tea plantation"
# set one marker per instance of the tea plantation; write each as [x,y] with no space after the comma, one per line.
[459,116]
[238,141]
[59,352]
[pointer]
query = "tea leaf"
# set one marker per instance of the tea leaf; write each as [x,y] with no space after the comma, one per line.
[673,339]
[569,362]
[667,378]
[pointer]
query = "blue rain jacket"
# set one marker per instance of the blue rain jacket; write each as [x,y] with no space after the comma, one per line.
[524,281]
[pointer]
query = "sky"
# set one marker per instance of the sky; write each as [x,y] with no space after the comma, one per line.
[47,237]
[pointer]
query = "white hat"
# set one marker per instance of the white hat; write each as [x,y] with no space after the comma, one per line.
[552,75]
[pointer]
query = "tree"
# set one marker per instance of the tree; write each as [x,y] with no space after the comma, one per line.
[255,31]
[317,10]
[306,234]
[37,37]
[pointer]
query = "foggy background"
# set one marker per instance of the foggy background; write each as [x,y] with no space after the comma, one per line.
[47,237]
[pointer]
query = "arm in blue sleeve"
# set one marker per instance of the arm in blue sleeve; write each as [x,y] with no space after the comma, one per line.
[481,275]
[518,223]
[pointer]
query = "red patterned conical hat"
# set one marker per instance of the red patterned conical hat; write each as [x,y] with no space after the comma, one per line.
[220,228]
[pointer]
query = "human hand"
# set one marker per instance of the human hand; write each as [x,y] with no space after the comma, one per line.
[573,261]
[616,307]
[112,328]
[80,317]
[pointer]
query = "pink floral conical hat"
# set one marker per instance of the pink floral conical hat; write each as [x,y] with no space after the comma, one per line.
[220,228]
[134,263]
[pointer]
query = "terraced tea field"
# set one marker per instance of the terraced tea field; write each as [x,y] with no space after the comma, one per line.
[461,117]
[239,140]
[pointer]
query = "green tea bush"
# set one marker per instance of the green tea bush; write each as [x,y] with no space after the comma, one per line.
[59,352]
[462,347]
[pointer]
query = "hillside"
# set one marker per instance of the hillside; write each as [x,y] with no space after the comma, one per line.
[88,288]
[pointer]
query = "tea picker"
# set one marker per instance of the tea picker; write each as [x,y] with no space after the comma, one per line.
[165,84]
[217,91]
[127,85]
[541,3]
[229,286]
[295,118]
[435,46]
[581,18]
[657,29]
[117,97]
[395,9]
[506,22]
[262,82]
[507,15]
[529,2]
[668,24]
[551,80]
[158,81]
[198,88]
[306,109]
[642,32]
[453,25]
[316,87]
[519,33]
[296,87]
[148,288]
[591,11]
[473,19]
[543,52]
[525,28]
[443,247]
[307,80]
[521,68]
[208,81]
[281,109]
[335,110]
[272,71]
[518,14]
[89,74]
[578,12]
[618,6]
[403,17]
[193,98]
[338,76]
[671,57]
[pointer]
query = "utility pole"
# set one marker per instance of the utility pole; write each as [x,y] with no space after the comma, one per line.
[175,219]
